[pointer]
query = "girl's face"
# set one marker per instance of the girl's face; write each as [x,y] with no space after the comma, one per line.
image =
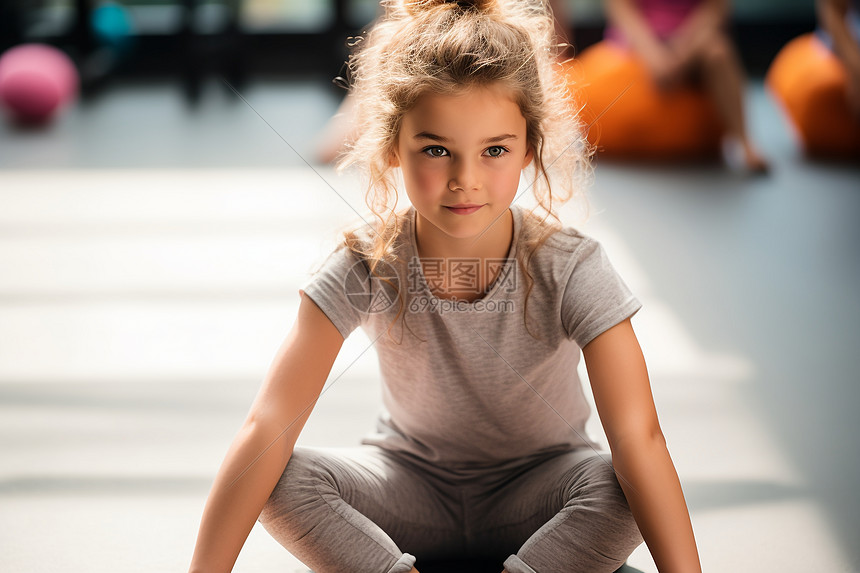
[461,157]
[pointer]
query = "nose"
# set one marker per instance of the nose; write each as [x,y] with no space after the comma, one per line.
[465,176]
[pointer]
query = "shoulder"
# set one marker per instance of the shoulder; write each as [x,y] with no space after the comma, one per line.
[555,245]
[361,250]
[569,242]
[366,236]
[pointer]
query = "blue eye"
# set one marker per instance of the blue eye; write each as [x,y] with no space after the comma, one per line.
[496,151]
[435,151]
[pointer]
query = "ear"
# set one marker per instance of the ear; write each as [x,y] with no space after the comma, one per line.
[528,158]
[393,158]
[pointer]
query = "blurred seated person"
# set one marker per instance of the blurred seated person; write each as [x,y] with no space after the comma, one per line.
[683,43]
[816,79]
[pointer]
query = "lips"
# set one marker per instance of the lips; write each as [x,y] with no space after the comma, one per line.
[463,208]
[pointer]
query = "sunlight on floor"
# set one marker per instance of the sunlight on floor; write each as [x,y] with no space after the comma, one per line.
[128,282]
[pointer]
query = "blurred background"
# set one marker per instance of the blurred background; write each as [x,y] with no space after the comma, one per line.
[154,230]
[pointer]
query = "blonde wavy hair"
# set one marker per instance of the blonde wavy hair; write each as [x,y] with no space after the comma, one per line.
[433,46]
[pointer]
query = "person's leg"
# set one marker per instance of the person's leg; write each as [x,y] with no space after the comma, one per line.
[566,513]
[357,509]
[723,77]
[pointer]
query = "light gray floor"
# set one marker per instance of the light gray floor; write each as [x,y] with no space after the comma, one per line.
[149,260]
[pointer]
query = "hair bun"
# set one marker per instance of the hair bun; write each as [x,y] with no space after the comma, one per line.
[413,6]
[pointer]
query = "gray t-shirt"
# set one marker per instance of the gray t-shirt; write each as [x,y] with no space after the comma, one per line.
[465,383]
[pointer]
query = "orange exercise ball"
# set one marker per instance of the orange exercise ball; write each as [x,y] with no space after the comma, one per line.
[643,121]
[809,81]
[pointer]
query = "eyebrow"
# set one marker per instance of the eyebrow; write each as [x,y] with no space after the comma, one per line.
[440,139]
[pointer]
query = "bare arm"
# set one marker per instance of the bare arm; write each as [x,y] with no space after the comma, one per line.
[282,406]
[706,20]
[627,17]
[831,14]
[662,62]
[622,393]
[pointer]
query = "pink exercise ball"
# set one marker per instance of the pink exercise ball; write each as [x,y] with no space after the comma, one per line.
[36,81]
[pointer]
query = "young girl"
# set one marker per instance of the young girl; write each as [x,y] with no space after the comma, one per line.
[478,310]
[683,39]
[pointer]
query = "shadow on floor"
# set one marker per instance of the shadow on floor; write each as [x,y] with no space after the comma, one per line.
[481,567]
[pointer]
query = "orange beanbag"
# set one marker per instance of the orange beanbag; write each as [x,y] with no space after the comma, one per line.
[809,82]
[643,122]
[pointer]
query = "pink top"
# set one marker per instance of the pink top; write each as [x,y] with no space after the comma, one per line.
[664,17]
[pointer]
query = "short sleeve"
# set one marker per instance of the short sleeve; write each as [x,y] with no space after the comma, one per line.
[336,288]
[595,298]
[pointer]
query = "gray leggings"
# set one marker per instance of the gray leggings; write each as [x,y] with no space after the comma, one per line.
[369,510]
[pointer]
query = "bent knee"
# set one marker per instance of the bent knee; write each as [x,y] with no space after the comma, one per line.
[594,489]
[296,490]
[595,482]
